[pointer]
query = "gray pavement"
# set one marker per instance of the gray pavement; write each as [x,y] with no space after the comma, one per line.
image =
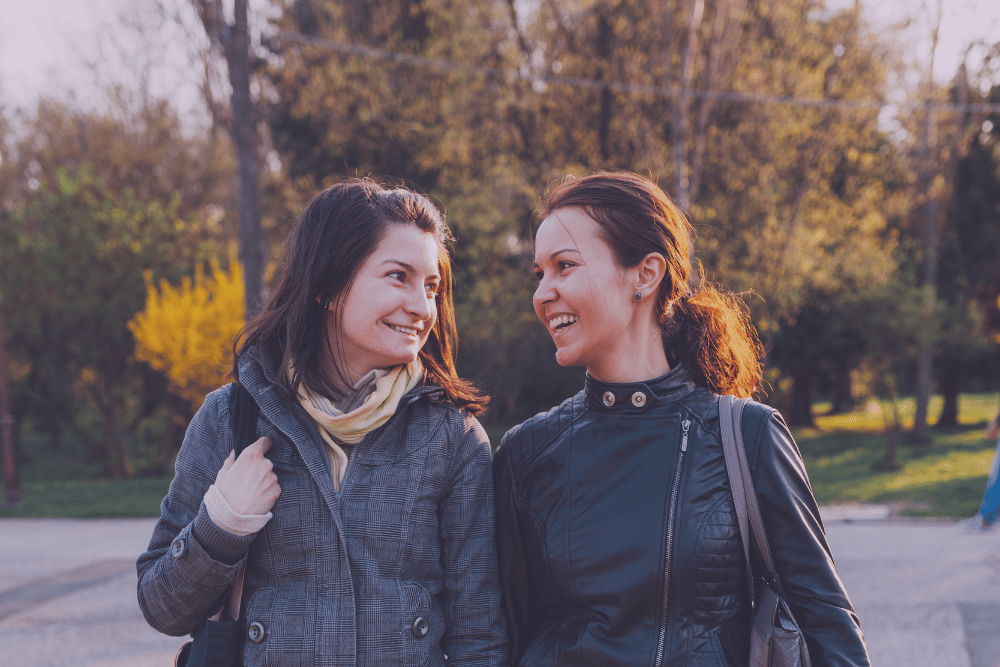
[928,593]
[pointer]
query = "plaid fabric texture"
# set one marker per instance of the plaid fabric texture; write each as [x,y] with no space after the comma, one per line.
[339,580]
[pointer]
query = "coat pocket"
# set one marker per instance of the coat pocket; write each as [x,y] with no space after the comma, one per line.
[423,624]
[280,629]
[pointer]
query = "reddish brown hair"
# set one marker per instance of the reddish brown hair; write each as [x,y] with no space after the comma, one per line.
[708,330]
[338,230]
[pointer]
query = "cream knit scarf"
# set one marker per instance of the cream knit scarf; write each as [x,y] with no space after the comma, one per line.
[338,428]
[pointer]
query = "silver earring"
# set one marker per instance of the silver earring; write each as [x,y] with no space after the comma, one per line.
[329,302]
[637,296]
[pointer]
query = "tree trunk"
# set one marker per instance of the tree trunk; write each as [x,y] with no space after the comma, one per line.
[891,460]
[605,44]
[949,387]
[928,278]
[244,133]
[8,447]
[801,414]
[117,457]
[842,396]
[233,41]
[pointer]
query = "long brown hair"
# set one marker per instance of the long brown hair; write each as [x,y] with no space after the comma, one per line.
[709,330]
[338,230]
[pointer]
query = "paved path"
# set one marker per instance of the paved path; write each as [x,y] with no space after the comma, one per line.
[928,593]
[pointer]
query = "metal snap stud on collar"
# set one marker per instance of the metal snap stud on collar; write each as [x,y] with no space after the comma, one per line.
[638,399]
[609,399]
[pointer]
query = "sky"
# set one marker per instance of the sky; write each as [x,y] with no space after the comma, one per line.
[54,46]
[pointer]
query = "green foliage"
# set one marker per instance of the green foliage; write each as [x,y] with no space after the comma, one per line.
[787,201]
[71,273]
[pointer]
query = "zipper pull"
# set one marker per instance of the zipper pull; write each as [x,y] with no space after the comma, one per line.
[685,425]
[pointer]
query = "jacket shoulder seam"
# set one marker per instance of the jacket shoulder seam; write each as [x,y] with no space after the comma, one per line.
[522,436]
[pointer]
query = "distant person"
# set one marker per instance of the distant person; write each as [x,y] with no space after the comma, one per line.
[617,533]
[991,497]
[363,514]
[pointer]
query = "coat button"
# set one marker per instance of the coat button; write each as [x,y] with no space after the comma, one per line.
[638,399]
[609,399]
[178,548]
[421,627]
[256,632]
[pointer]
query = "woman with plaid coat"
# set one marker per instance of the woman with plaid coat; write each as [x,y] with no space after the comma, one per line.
[362,515]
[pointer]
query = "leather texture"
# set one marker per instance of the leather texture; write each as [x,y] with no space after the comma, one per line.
[620,546]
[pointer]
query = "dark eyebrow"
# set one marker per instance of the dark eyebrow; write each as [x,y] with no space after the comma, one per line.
[559,252]
[409,267]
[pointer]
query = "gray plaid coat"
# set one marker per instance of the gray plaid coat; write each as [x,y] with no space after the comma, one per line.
[399,569]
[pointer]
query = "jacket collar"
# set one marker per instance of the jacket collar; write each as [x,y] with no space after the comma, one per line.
[637,397]
[258,374]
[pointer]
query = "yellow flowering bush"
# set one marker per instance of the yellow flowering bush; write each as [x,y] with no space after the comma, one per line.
[187,332]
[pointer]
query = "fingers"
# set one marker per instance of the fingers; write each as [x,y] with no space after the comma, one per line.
[226,466]
[261,446]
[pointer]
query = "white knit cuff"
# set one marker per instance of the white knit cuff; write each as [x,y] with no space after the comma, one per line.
[223,516]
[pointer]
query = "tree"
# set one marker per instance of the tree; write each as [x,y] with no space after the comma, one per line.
[233,42]
[969,275]
[71,274]
[187,332]
[781,207]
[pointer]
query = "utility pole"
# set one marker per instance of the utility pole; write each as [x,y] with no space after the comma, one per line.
[11,479]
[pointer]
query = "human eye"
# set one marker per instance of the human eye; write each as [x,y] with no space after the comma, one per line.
[539,274]
[432,289]
[565,264]
[397,275]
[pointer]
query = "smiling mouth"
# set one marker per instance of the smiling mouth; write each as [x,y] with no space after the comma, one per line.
[409,331]
[561,322]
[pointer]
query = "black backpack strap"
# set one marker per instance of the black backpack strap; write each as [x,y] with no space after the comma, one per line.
[244,411]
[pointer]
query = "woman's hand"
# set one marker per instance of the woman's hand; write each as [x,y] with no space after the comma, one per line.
[247,483]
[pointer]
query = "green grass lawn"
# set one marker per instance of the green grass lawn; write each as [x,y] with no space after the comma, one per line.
[90,498]
[945,478]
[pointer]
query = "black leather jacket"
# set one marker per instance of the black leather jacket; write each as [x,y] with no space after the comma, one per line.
[596,502]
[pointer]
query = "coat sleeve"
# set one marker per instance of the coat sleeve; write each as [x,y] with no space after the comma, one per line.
[475,631]
[800,551]
[191,562]
[522,615]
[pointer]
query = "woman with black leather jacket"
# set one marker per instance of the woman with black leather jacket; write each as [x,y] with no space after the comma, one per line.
[617,534]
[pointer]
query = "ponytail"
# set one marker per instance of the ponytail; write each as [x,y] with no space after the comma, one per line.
[711,334]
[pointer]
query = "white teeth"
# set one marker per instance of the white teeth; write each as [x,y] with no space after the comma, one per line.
[561,320]
[406,330]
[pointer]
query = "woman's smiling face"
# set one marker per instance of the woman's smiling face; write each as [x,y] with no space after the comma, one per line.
[390,309]
[583,296]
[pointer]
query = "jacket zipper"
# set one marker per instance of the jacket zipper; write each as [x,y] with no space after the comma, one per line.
[669,548]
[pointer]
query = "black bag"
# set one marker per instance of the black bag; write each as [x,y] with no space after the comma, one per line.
[775,637]
[217,642]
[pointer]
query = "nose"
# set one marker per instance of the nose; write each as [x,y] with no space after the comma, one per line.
[420,306]
[544,293]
